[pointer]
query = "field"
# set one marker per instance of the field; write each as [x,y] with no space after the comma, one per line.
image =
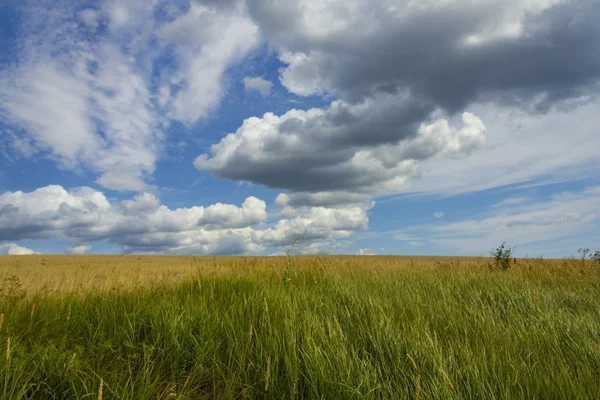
[129,327]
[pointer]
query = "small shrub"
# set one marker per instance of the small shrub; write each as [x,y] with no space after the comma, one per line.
[292,249]
[583,252]
[502,257]
[596,257]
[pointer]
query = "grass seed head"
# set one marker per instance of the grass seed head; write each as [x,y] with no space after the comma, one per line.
[412,360]
[418,388]
[448,381]
[100,389]
[268,374]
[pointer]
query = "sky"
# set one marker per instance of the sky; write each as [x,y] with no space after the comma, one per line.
[410,127]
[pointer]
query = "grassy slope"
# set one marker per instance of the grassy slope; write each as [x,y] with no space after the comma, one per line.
[338,329]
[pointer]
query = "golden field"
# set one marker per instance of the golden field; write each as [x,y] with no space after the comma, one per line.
[52,274]
[302,327]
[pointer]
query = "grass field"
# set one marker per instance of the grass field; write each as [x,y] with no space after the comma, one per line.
[128,327]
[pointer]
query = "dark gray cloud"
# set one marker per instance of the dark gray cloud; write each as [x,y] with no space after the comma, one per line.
[400,70]
[446,53]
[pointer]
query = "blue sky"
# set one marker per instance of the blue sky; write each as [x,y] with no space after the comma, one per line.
[233,127]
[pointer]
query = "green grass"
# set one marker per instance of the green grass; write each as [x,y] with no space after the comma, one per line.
[329,333]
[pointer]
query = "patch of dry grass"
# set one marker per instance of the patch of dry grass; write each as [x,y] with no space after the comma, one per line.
[72,274]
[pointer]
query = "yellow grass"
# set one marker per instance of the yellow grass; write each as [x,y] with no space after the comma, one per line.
[55,274]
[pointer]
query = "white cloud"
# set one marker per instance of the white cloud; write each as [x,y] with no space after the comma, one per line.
[438,214]
[78,249]
[13,249]
[258,84]
[87,97]
[316,226]
[562,216]
[143,224]
[328,153]
[90,17]
[209,41]
[119,15]
[521,149]
[219,216]
[58,110]
[366,252]
[51,106]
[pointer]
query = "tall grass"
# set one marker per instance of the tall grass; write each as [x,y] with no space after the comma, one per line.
[338,328]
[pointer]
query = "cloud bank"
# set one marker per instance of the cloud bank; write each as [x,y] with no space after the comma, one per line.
[142,224]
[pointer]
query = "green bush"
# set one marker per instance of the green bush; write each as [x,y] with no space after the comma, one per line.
[502,257]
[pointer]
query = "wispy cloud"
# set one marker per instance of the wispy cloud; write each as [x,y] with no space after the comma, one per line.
[366,252]
[512,202]
[565,215]
[83,89]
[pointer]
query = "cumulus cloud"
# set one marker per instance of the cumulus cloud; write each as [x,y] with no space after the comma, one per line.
[402,73]
[219,216]
[448,52]
[82,88]
[258,84]
[143,224]
[13,249]
[317,228]
[84,214]
[367,148]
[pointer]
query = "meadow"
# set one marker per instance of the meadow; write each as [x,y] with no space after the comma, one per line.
[322,327]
